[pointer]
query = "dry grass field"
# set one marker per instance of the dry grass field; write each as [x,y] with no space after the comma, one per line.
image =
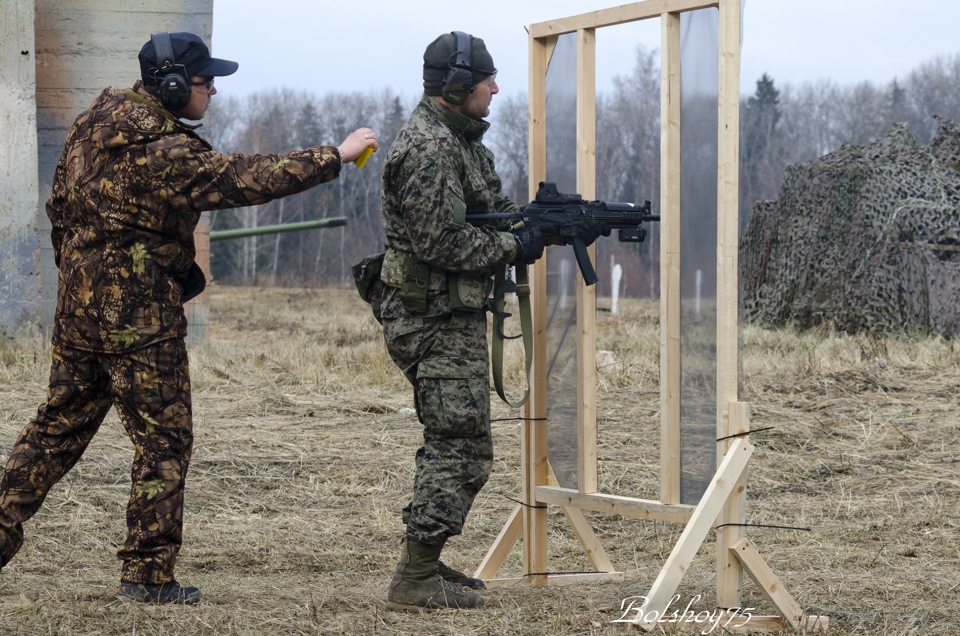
[304,456]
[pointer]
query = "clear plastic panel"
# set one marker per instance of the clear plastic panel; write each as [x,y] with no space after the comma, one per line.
[698,251]
[626,170]
[620,180]
[561,127]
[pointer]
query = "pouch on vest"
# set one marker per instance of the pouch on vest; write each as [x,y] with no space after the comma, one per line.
[468,292]
[193,283]
[366,275]
[416,284]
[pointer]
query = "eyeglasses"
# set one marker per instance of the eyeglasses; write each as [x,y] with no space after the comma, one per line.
[207,84]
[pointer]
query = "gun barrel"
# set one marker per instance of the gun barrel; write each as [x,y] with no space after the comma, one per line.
[219,235]
[634,216]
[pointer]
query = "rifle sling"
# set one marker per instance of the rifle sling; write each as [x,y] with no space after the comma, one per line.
[526,327]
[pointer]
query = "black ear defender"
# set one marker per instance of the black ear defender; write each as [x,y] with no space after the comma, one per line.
[458,82]
[173,89]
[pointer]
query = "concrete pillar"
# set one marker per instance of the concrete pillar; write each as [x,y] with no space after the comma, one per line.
[65,54]
[19,235]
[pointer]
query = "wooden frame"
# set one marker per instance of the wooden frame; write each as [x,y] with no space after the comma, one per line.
[722,506]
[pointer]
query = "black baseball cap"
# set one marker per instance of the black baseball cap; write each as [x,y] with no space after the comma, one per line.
[190,57]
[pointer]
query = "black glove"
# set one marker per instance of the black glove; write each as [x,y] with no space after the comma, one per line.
[193,283]
[588,229]
[529,245]
[552,234]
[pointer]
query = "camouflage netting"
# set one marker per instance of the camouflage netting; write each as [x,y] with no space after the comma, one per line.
[866,239]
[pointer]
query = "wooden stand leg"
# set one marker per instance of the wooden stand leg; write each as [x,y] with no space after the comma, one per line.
[501,548]
[767,581]
[700,524]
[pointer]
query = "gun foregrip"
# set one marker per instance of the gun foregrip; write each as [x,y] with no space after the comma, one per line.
[583,262]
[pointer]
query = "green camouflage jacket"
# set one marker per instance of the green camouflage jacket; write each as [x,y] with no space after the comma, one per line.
[435,172]
[127,195]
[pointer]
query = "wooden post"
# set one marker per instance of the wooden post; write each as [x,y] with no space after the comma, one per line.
[670,260]
[731,418]
[534,439]
[587,296]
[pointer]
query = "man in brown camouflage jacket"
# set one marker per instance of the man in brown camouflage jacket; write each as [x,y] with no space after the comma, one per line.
[437,275]
[127,195]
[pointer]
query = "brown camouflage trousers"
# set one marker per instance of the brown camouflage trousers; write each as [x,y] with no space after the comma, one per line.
[444,356]
[151,389]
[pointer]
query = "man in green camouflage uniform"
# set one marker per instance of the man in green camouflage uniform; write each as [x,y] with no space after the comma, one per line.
[127,195]
[437,274]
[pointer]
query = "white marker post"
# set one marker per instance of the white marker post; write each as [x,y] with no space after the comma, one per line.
[615,287]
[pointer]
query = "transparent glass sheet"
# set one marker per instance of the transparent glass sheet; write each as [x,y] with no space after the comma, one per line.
[698,251]
[561,125]
[627,170]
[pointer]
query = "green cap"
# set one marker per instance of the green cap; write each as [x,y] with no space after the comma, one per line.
[441,54]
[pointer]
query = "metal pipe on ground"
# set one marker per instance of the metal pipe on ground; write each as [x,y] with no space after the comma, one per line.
[220,235]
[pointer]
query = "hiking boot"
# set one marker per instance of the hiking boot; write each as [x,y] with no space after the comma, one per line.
[417,583]
[171,592]
[452,576]
[432,593]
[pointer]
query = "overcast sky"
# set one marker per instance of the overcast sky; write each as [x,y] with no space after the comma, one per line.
[367,45]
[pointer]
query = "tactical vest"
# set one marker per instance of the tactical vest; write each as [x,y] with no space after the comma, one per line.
[418,282]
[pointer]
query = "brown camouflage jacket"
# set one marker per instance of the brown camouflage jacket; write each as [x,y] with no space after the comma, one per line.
[435,172]
[127,195]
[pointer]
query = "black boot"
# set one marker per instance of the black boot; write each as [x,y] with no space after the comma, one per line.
[417,582]
[171,592]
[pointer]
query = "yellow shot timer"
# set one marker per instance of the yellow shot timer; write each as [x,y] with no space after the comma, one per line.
[362,159]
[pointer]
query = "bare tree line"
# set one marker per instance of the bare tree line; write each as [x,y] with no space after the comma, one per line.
[780,125]
[277,121]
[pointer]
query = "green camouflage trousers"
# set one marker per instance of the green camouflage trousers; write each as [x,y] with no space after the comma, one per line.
[444,356]
[151,389]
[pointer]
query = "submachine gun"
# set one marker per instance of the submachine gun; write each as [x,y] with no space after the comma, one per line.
[558,214]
